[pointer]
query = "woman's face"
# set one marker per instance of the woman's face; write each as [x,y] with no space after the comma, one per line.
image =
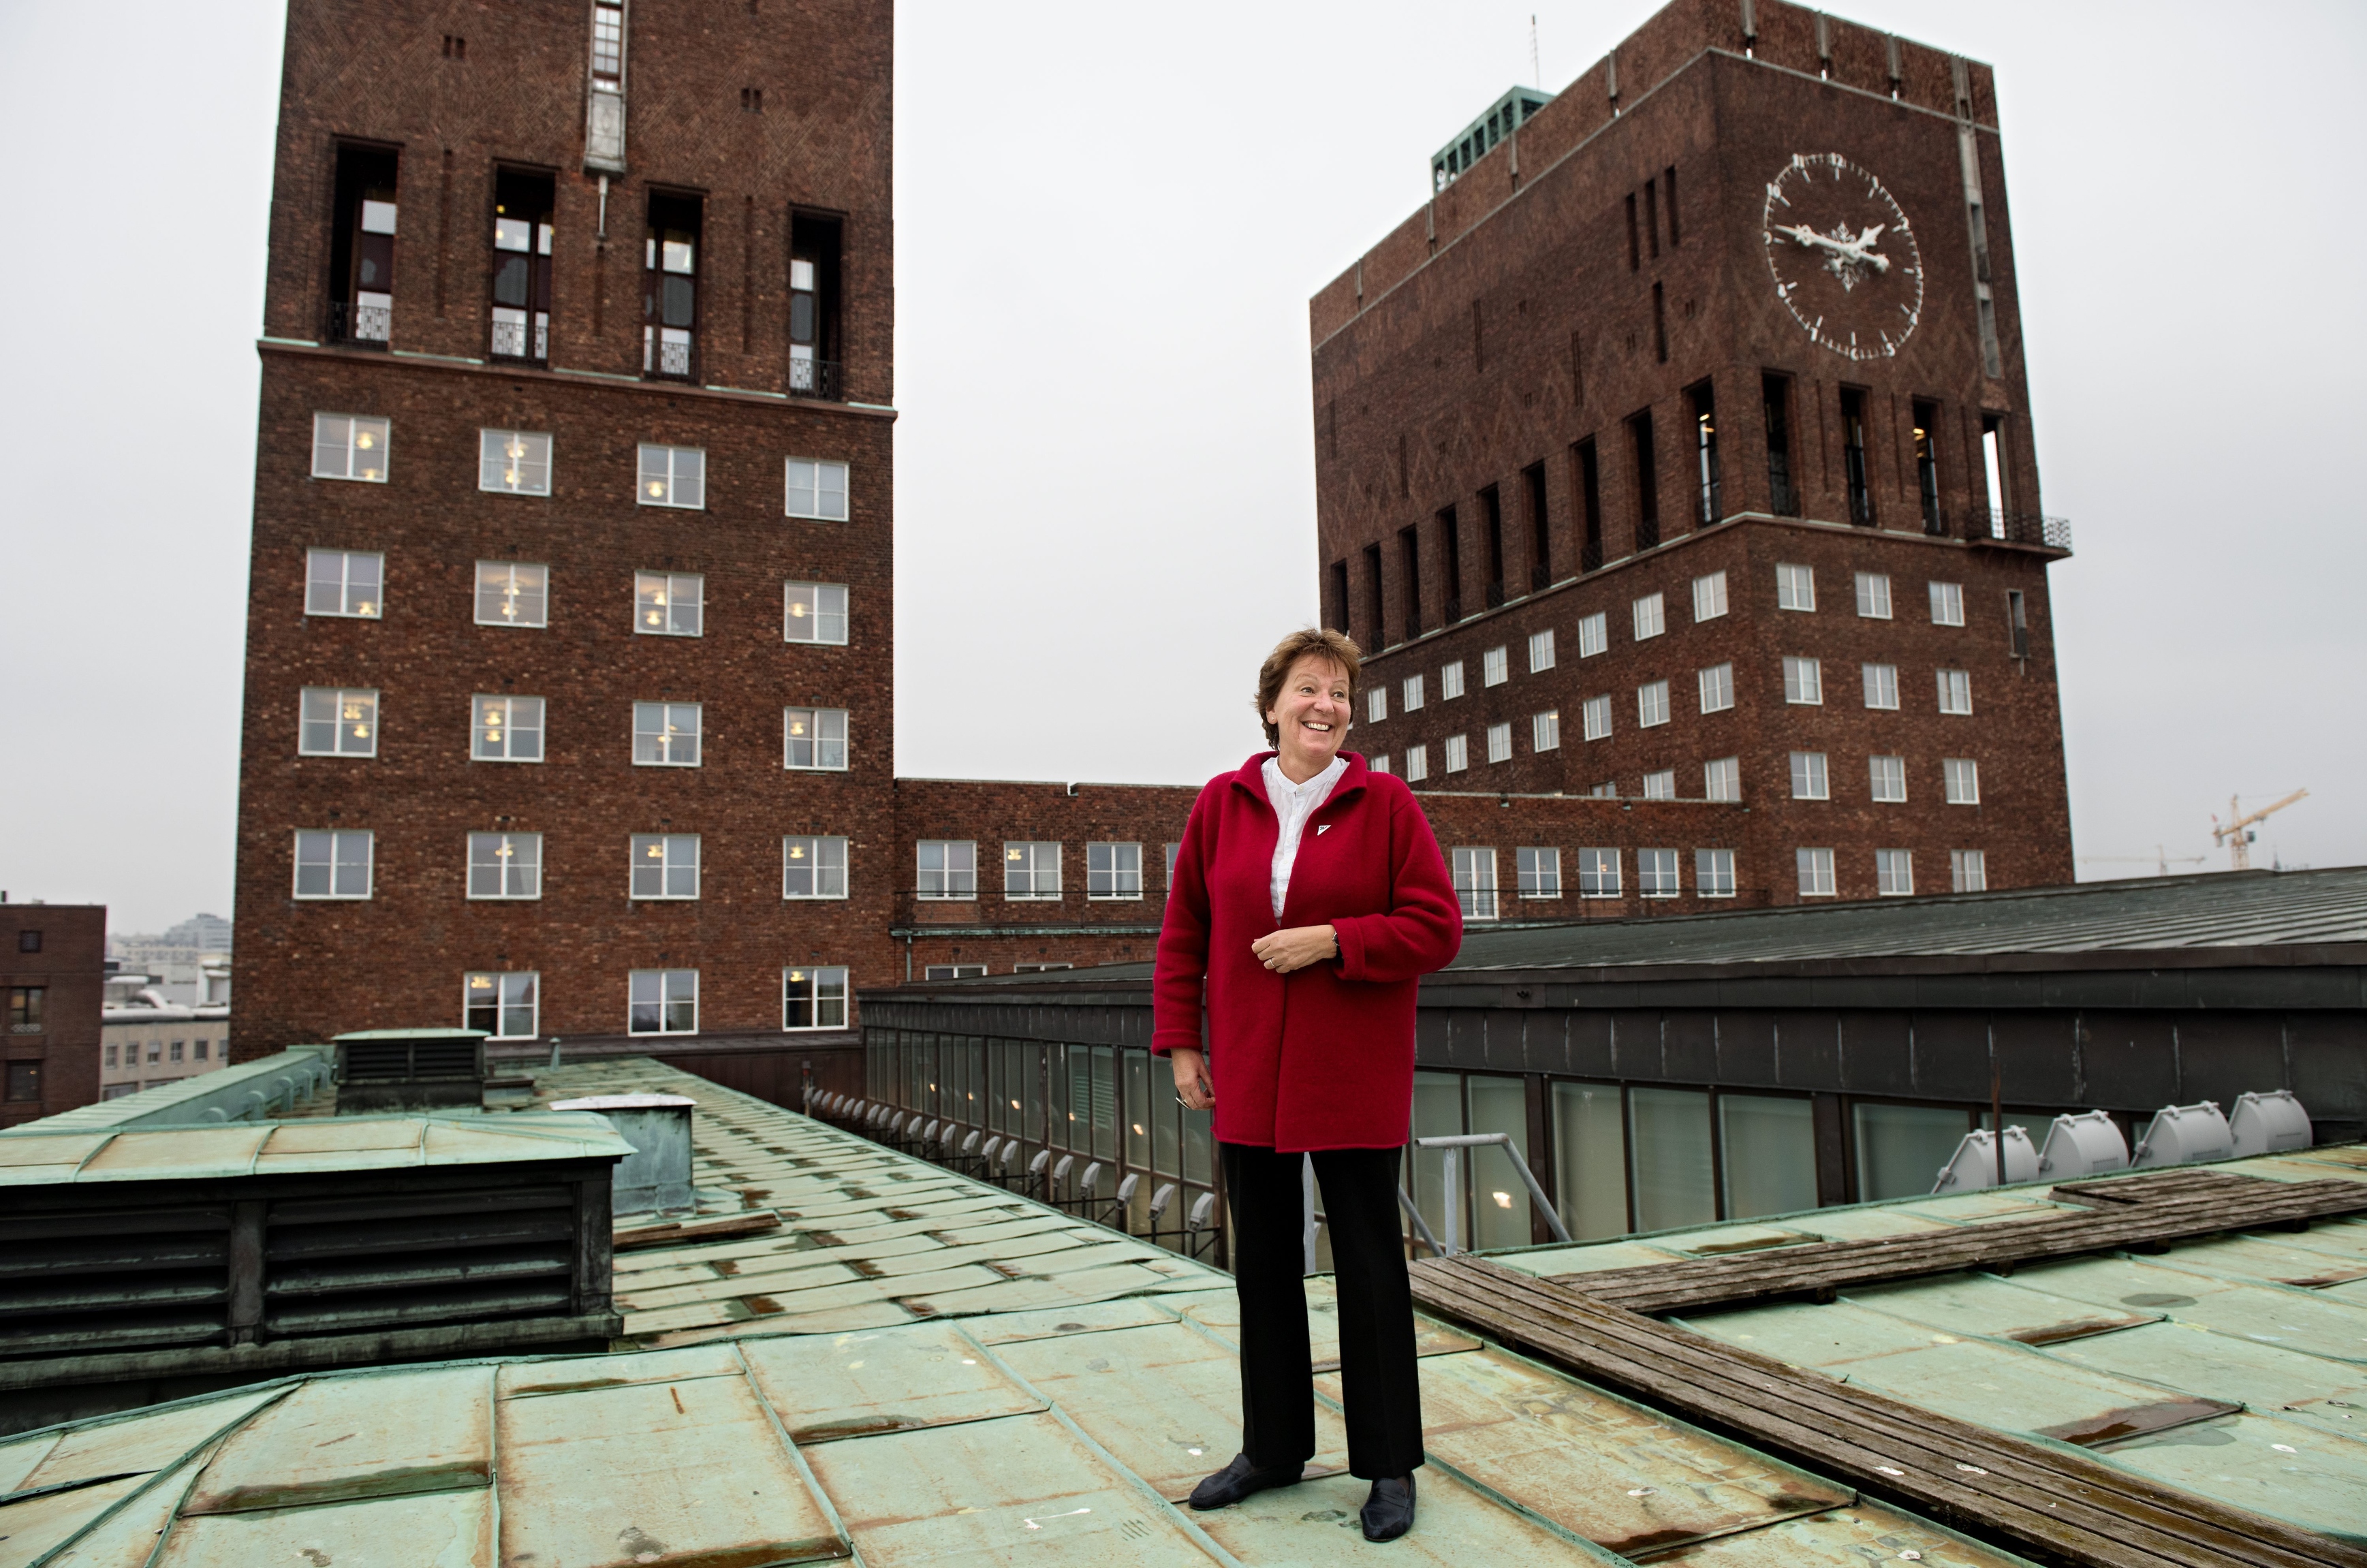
[1311,714]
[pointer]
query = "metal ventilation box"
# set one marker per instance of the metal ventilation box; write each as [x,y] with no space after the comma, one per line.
[393,1070]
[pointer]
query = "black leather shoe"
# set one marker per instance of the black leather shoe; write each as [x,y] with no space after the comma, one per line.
[1241,1478]
[1389,1512]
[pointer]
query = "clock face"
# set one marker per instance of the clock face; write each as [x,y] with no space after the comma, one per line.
[1843,256]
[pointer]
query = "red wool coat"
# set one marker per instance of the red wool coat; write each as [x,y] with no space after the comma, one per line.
[1321,1058]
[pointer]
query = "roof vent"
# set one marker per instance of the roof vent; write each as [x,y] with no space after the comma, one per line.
[2268,1124]
[382,1069]
[655,1178]
[2182,1135]
[1976,1162]
[1504,115]
[2083,1145]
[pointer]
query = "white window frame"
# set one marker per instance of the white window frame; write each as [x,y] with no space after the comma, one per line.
[495,739]
[1804,681]
[821,990]
[509,462]
[338,438]
[1593,635]
[1881,683]
[1651,705]
[1816,872]
[1887,779]
[1598,872]
[1651,616]
[1545,731]
[1894,873]
[1873,595]
[1537,870]
[824,855]
[953,971]
[669,604]
[1596,716]
[1947,604]
[1722,778]
[1796,587]
[825,740]
[1811,779]
[672,853]
[1411,694]
[1474,870]
[949,875]
[1021,858]
[501,982]
[1379,763]
[1417,764]
[1113,870]
[1713,874]
[1450,680]
[1541,651]
[1652,865]
[342,702]
[1174,850]
[660,724]
[1969,870]
[1660,785]
[489,580]
[822,497]
[513,859]
[1955,693]
[339,842]
[670,476]
[1709,596]
[340,581]
[821,608]
[1458,754]
[1377,703]
[661,989]
[1500,743]
[1495,666]
[1717,687]
[1963,775]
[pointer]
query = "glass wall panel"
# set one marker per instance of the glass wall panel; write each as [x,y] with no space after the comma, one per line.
[1056,1076]
[1138,1109]
[1104,1102]
[1437,1113]
[1166,1128]
[1668,1154]
[1079,1135]
[1498,1198]
[1031,1078]
[1198,1145]
[1590,1160]
[1771,1154]
[1901,1148]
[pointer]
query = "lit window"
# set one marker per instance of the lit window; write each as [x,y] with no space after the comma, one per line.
[1804,681]
[1661,786]
[948,868]
[1475,882]
[1544,729]
[1718,688]
[1500,743]
[663,1001]
[1652,704]
[673,476]
[505,865]
[1709,596]
[1873,595]
[1713,874]
[334,865]
[1597,711]
[506,1006]
[1417,764]
[1450,682]
[1955,692]
[344,582]
[1969,870]
[1651,616]
[1816,866]
[1114,871]
[1411,698]
[1722,780]
[1809,775]
[665,865]
[1376,704]
[1796,587]
[814,738]
[1887,778]
[669,604]
[1597,873]
[813,866]
[1947,604]
[1963,780]
[338,722]
[516,462]
[345,446]
[1541,649]
[1495,667]
[1881,685]
[1594,634]
[511,593]
[509,729]
[1539,872]
[813,998]
[1656,873]
[816,612]
[1031,870]
[1458,754]
[1893,872]
[665,735]
[817,490]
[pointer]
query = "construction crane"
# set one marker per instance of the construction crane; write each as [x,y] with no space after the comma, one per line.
[2238,834]
[2160,860]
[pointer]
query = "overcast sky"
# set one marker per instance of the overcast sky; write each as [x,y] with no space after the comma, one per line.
[1109,220]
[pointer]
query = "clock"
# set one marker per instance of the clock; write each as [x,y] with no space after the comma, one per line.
[1843,256]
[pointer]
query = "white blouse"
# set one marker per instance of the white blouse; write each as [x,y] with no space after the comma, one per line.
[1294,804]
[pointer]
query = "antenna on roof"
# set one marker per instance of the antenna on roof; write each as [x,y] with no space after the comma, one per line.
[1535,69]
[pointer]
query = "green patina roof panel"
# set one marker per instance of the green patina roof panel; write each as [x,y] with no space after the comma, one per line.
[435,1529]
[341,1440]
[852,1385]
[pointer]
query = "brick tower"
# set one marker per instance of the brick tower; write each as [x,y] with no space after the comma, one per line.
[1677,448]
[569,673]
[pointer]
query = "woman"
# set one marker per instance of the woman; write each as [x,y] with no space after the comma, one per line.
[1309,896]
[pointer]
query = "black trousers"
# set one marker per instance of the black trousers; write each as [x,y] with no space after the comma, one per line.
[1376,1359]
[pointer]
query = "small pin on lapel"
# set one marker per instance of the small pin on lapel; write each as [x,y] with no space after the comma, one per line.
[1323,828]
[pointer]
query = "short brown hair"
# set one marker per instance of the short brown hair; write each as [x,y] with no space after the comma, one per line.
[1332,645]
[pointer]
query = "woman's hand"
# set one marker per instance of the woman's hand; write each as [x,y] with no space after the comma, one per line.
[1283,952]
[1192,1084]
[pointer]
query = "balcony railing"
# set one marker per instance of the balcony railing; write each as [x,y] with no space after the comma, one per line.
[513,339]
[817,378]
[2013,527]
[366,324]
[667,354]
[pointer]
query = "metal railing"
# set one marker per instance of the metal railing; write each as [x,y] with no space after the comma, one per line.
[1075,905]
[521,339]
[367,326]
[1452,1203]
[824,379]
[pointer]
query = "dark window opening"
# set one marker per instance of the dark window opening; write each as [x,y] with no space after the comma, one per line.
[1589,502]
[670,288]
[361,249]
[1705,472]
[1853,473]
[752,100]
[1450,545]
[28,941]
[1783,499]
[1926,464]
[455,46]
[1540,530]
[2017,619]
[816,355]
[1635,239]
[1653,218]
[1410,583]
[1376,627]
[24,1080]
[1648,482]
[1669,180]
[1335,598]
[1659,324]
[521,308]
[1491,502]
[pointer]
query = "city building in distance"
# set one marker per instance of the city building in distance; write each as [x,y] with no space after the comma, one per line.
[54,981]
